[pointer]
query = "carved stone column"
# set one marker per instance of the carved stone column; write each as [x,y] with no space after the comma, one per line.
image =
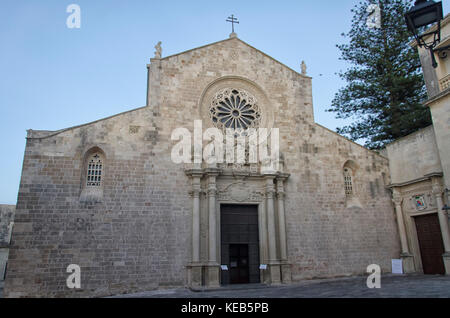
[281,219]
[438,191]
[213,266]
[285,266]
[408,261]
[196,220]
[274,264]
[195,267]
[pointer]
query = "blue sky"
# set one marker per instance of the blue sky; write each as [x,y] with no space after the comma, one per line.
[53,77]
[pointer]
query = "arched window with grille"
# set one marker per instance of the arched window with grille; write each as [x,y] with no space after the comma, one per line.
[348,182]
[93,175]
[349,172]
[94,172]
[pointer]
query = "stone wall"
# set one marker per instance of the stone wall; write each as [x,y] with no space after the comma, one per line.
[139,236]
[134,239]
[328,235]
[414,156]
[6,225]
[440,113]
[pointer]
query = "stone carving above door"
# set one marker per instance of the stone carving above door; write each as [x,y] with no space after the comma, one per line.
[240,191]
[422,202]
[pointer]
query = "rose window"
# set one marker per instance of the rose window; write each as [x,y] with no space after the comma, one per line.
[236,109]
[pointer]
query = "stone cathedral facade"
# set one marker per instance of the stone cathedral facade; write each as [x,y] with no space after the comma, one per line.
[107,196]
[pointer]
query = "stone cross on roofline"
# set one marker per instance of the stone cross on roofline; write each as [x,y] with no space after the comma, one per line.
[232,20]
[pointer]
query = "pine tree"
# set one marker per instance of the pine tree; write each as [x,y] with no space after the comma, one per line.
[385,87]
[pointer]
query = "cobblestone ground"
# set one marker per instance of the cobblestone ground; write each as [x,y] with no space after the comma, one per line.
[355,287]
[419,286]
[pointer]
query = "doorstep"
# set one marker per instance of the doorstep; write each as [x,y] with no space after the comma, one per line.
[230,287]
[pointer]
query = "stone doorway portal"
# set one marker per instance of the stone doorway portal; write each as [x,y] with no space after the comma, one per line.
[430,243]
[239,244]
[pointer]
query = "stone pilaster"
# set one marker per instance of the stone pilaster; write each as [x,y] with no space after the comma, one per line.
[285,266]
[408,259]
[195,267]
[274,264]
[213,269]
[438,192]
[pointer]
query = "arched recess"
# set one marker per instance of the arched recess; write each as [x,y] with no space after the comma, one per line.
[349,170]
[94,168]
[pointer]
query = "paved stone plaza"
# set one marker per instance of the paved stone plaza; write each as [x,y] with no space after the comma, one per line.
[420,286]
[417,286]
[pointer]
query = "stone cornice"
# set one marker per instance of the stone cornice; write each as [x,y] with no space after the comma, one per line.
[437,97]
[269,175]
[426,177]
[57,132]
[205,172]
[283,176]
[194,172]
[212,171]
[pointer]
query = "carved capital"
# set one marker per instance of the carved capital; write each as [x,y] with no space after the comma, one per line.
[436,188]
[195,193]
[281,195]
[211,192]
[270,192]
[397,199]
[280,185]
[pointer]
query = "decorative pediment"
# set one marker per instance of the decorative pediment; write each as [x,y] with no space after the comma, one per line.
[240,191]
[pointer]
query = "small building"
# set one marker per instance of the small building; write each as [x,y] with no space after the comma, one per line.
[420,172]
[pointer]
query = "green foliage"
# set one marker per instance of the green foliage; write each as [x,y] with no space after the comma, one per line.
[385,85]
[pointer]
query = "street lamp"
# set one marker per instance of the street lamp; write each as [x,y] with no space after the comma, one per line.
[422,14]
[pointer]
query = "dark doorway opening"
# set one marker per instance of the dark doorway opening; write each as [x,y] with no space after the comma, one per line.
[239,244]
[430,243]
[239,273]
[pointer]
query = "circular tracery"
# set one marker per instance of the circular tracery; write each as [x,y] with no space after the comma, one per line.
[236,109]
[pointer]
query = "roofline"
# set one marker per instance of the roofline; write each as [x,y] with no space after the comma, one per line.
[54,133]
[229,39]
[411,134]
[7,205]
[370,150]
[57,132]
